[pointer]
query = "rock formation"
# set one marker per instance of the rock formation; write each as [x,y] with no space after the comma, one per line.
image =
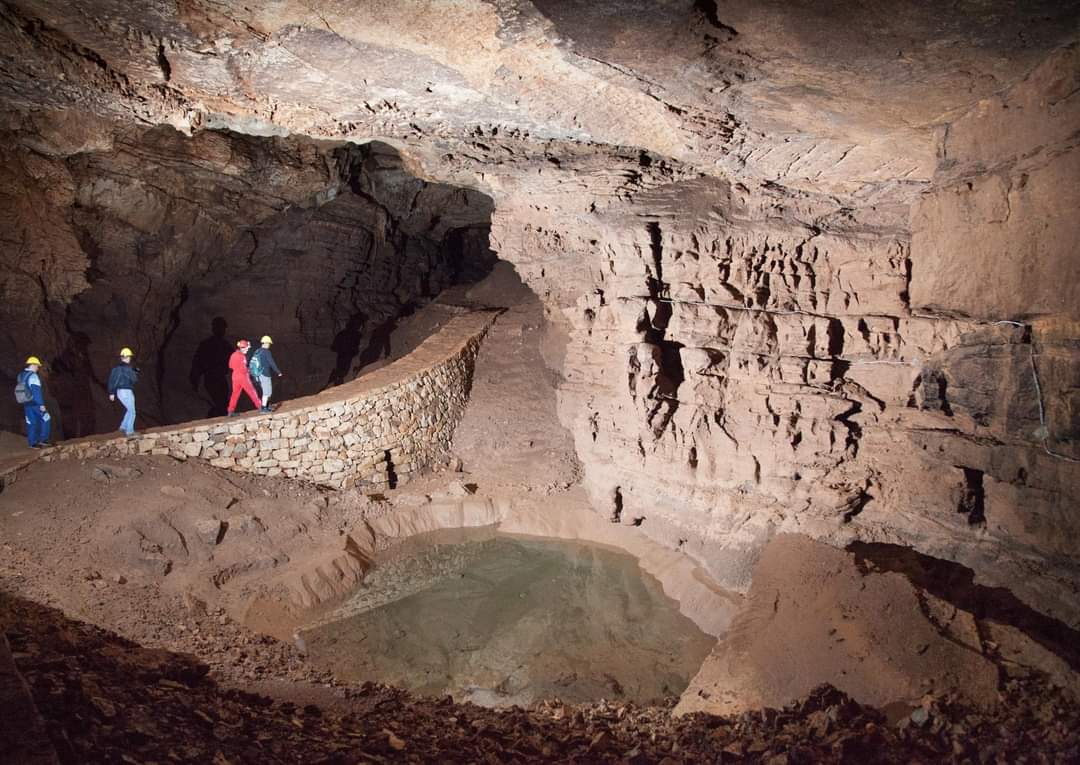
[807,268]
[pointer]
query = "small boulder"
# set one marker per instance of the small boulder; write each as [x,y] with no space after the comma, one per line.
[460,489]
[107,473]
[159,566]
[153,561]
[210,530]
[194,604]
[246,524]
[125,473]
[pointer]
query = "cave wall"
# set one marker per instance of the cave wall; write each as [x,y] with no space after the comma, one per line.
[705,372]
[146,236]
[329,283]
[743,362]
[1004,199]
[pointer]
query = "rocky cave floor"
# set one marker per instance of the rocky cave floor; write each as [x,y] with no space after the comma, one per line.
[134,647]
[107,699]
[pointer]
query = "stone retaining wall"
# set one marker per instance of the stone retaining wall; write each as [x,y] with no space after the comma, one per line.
[374,432]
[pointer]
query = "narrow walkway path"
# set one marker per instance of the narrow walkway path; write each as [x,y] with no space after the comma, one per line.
[377,430]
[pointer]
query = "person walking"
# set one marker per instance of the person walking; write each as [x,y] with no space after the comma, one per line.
[122,381]
[262,366]
[29,393]
[241,378]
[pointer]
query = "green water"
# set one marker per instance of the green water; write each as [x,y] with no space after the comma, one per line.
[507,620]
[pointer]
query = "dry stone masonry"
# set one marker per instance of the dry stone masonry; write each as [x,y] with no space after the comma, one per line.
[374,432]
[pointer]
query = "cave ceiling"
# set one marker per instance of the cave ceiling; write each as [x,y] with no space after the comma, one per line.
[842,97]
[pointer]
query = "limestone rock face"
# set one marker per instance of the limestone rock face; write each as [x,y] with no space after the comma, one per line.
[807,267]
[828,94]
[742,362]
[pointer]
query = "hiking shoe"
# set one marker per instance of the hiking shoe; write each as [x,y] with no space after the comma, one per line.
[231,414]
[265,410]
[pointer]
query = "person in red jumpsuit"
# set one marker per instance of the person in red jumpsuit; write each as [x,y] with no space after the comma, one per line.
[241,378]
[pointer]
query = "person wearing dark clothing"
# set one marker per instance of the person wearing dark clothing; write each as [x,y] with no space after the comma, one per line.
[241,378]
[262,367]
[30,394]
[122,382]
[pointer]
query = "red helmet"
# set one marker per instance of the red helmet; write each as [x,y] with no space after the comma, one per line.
[244,344]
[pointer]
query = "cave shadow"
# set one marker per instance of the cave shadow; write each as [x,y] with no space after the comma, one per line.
[210,366]
[955,584]
[72,386]
[353,353]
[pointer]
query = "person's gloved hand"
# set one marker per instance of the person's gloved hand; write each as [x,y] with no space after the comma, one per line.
[42,407]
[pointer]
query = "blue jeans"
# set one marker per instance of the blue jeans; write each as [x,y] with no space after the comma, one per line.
[127,398]
[38,424]
[266,388]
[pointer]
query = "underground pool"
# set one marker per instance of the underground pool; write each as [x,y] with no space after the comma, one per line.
[501,620]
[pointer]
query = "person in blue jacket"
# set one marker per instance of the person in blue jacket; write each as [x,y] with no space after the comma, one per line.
[122,382]
[262,366]
[30,394]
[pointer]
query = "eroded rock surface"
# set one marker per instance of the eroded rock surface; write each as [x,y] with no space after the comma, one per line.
[747,361]
[806,268]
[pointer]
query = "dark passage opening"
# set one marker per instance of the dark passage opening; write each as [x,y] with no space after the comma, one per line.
[973,500]
[194,243]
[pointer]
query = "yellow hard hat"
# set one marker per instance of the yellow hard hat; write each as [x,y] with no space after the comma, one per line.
[126,352]
[33,360]
[266,339]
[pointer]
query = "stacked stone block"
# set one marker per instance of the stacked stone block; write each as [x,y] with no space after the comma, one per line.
[374,432]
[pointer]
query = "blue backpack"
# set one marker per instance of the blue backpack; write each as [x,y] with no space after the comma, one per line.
[255,365]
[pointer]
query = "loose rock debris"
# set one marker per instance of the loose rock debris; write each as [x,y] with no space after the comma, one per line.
[107,699]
